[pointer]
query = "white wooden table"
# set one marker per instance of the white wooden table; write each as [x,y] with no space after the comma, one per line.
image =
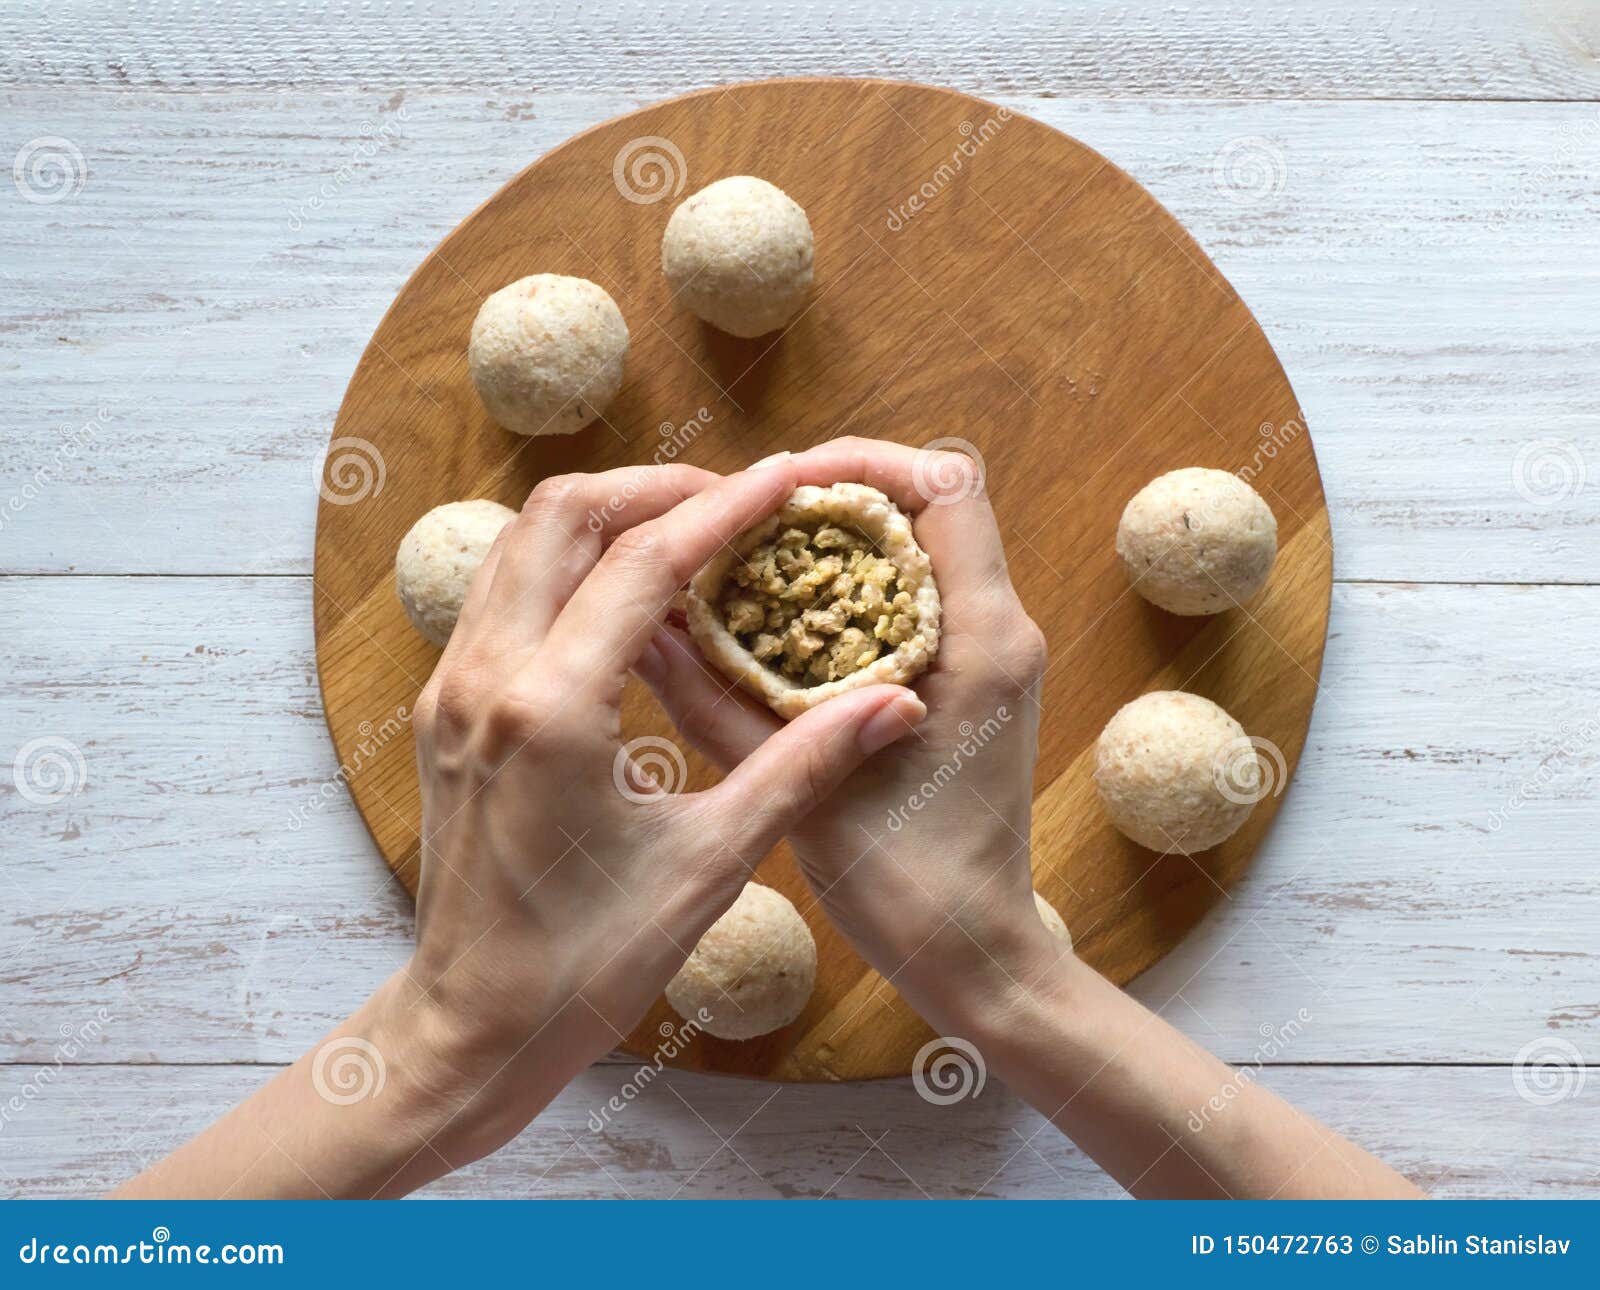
[1407,196]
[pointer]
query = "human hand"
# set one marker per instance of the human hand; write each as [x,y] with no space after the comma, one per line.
[554,907]
[921,856]
[557,898]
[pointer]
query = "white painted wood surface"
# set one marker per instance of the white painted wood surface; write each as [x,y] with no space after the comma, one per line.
[257,182]
[1447,49]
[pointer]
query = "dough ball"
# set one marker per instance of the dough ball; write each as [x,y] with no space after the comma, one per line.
[1197,541]
[738,254]
[752,972]
[1176,772]
[1054,923]
[546,354]
[438,556]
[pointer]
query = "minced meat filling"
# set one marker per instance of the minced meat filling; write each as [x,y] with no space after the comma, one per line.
[817,606]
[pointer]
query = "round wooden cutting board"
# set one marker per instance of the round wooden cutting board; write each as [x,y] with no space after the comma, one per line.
[978,276]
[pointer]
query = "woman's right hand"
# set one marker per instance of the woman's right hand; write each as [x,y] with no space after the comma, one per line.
[921,858]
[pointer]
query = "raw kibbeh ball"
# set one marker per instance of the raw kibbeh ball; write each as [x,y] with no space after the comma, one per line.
[1197,541]
[437,558]
[546,354]
[752,972]
[1176,772]
[738,254]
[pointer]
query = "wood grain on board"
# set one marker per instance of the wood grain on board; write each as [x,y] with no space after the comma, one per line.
[979,276]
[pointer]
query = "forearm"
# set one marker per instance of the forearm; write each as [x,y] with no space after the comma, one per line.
[386,1102]
[1131,1090]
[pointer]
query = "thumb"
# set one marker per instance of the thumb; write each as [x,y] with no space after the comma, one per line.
[767,794]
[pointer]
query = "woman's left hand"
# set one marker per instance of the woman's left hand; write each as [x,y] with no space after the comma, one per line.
[561,889]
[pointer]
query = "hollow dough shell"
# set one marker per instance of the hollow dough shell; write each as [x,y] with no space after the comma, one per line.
[853,505]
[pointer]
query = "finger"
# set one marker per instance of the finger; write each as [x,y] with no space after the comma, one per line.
[943,491]
[912,477]
[611,617]
[709,710]
[773,789]
[564,526]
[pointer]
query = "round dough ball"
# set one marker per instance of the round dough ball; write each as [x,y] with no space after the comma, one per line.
[1054,923]
[1197,541]
[546,354]
[752,972]
[437,557]
[738,254]
[1176,772]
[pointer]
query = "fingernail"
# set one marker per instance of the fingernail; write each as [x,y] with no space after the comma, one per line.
[651,665]
[768,461]
[892,721]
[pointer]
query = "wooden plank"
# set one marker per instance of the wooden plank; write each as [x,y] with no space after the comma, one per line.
[1258,49]
[1426,273]
[1459,1132]
[1428,892]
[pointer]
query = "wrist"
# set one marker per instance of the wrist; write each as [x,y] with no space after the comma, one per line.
[1004,988]
[442,1068]
[484,1059]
